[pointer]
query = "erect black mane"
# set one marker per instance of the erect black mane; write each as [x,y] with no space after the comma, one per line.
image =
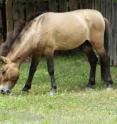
[12,36]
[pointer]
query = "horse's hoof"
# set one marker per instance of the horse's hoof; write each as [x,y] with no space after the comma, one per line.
[89,87]
[26,90]
[109,88]
[52,92]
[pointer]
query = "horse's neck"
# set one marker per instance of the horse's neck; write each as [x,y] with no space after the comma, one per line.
[21,49]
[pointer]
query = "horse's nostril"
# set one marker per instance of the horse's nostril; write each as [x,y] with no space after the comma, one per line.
[2,91]
[7,91]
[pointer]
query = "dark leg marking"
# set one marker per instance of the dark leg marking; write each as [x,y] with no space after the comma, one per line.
[92,58]
[105,70]
[34,63]
[50,65]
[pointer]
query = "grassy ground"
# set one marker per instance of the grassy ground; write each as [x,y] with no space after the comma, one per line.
[71,105]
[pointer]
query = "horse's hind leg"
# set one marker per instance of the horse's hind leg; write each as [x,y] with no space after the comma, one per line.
[34,63]
[105,63]
[92,58]
[50,64]
[105,70]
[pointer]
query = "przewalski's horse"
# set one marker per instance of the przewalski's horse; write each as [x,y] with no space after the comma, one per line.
[58,31]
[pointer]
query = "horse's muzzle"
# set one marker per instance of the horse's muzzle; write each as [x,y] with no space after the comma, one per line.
[4,91]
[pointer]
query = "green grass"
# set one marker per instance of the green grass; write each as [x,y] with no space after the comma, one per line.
[71,105]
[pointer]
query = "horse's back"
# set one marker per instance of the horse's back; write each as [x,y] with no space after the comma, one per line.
[70,29]
[87,15]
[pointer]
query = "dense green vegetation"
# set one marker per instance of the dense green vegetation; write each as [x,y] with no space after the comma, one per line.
[73,104]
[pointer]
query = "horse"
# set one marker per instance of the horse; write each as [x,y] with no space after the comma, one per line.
[52,32]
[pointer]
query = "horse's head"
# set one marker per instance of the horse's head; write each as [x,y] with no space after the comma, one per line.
[9,74]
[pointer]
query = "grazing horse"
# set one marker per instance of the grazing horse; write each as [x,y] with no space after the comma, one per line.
[58,31]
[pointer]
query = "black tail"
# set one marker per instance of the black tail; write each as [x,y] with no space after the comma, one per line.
[107,41]
[107,35]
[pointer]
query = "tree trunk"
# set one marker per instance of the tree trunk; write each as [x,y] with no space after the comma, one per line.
[3,14]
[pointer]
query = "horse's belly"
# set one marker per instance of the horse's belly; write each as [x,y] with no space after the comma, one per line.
[70,39]
[63,46]
[66,45]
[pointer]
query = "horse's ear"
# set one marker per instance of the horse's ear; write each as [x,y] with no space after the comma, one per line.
[4,60]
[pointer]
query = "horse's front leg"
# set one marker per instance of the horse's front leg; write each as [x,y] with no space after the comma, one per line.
[34,63]
[50,64]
